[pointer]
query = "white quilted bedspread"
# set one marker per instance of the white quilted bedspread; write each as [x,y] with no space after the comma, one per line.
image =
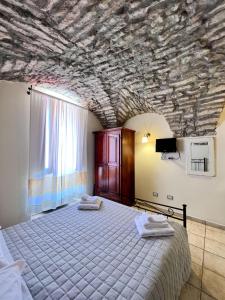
[73,254]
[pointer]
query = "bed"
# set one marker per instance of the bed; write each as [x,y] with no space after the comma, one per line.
[73,254]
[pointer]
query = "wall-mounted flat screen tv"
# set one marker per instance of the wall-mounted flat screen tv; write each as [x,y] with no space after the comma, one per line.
[166,145]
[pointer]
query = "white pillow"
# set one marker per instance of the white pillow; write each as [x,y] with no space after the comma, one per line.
[11,281]
[3,260]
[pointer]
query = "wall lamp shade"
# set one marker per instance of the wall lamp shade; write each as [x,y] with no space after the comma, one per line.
[144,139]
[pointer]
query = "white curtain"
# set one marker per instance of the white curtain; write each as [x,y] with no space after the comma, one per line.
[58,152]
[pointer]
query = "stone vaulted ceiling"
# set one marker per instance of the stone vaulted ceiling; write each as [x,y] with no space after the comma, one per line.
[123,57]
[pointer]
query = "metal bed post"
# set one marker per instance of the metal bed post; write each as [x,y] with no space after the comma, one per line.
[185,215]
[166,210]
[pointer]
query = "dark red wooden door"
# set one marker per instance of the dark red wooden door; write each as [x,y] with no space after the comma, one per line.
[113,158]
[101,170]
[101,179]
[101,148]
[114,164]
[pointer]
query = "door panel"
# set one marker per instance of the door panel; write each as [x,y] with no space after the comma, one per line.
[113,157]
[113,149]
[127,171]
[101,179]
[113,179]
[100,148]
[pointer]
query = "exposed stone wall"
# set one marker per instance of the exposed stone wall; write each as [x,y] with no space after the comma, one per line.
[123,57]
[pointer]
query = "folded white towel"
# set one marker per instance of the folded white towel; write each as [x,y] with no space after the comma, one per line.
[156,225]
[154,232]
[88,199]
[90,206]
[148,224]
[85,196]
[156,218]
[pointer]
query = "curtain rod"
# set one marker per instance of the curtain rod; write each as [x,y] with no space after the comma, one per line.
[30,89]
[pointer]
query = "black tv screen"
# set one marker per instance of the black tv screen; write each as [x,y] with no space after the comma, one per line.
[166,145]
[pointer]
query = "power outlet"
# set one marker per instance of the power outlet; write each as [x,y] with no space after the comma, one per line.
[155,194]
[169,197]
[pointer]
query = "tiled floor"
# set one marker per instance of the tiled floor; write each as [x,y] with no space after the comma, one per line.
[207,245]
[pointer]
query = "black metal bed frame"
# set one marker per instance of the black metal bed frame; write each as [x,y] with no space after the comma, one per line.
[170,211]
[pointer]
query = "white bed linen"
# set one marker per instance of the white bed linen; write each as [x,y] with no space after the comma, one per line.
[5,251]
[11,281]
[96,255]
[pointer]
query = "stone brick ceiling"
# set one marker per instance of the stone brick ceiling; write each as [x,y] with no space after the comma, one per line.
[123,57]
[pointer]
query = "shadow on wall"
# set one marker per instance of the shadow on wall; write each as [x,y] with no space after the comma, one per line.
[221,119]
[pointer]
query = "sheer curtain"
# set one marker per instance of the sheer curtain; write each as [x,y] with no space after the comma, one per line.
[58,152]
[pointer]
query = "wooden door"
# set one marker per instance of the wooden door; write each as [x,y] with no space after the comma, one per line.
[100,148]
[127,168]
[101,179]
[113,159]
[101,170]
[114,164]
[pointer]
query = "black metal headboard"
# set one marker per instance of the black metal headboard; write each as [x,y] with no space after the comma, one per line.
[166,210]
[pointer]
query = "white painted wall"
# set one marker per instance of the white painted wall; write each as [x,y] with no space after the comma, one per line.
[205,196]
[14,152]
[93,125]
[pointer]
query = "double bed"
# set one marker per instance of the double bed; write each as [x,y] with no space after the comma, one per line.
[74,254]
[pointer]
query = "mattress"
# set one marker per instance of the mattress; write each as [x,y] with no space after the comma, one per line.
[73,254]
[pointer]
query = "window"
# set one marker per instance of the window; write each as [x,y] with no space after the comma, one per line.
[57,152]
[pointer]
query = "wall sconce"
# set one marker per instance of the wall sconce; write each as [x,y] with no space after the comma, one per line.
[145,138]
